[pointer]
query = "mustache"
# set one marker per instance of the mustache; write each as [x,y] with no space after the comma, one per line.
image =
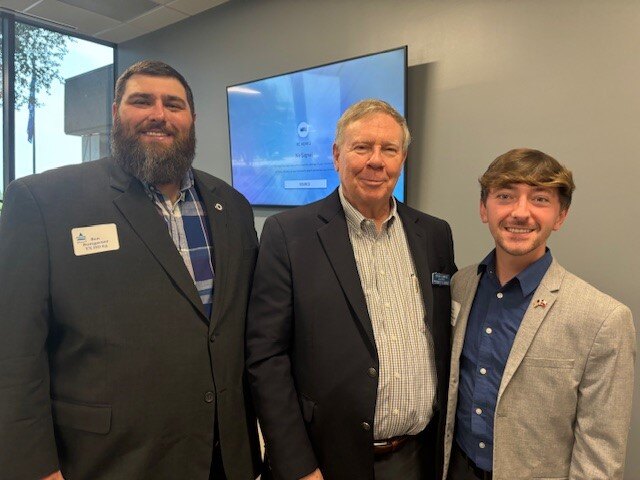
[156,125]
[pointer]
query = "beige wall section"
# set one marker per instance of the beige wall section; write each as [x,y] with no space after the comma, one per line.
[485,76]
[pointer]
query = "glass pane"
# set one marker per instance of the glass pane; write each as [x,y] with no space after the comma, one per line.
[64,88]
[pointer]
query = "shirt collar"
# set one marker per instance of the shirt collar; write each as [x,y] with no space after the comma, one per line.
[529,278]
[186,183]
[356,219]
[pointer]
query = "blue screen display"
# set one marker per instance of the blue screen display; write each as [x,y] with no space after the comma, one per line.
[282,128]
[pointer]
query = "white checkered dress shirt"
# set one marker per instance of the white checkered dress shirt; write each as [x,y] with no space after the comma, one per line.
[407,373]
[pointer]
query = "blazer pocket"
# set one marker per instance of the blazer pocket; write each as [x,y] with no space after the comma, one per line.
[548,363]
[89,418]
[307,406]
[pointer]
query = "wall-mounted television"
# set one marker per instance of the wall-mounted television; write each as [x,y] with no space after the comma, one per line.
[281,129]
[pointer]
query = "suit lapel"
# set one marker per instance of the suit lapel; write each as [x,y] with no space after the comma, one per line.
[140,212]
[418,245]
[334,237]
[469,287]
[217,214]
[546,293]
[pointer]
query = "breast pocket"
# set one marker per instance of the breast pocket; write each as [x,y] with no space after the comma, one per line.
[548,362]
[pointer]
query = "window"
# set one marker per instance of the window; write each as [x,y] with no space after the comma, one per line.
[63,89]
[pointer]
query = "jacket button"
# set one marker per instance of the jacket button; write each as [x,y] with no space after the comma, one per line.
[209,397]
[212,338]
[372,372]
[366,427]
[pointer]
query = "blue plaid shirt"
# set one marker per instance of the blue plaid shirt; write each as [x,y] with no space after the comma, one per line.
[189,228]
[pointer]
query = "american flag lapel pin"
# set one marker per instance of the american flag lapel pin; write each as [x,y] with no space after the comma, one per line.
[541,302]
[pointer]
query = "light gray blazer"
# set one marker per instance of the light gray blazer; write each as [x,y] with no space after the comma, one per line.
[564,403]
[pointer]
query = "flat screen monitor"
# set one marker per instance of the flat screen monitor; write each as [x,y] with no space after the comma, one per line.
[282,128]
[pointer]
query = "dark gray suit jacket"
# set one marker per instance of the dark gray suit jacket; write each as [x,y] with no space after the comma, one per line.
[310,341]
[109,368]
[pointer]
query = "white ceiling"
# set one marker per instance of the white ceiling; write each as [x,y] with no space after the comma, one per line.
[112,20]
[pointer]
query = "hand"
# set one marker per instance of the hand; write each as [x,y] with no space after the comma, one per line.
[315,475]
[54,476]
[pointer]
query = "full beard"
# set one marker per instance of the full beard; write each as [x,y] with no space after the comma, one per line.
[151,163]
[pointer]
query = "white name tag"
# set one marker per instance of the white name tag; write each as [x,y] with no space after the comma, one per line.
[95,239]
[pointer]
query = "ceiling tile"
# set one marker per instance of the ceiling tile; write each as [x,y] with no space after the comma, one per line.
[193,7]
[158,18]
[122,10]
[17,5]
[87,22]
[121,33]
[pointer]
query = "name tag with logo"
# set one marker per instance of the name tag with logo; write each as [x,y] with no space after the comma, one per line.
[441,279]
[95,239]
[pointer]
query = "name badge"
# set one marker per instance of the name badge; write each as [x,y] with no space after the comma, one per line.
[95,239]
[441,279]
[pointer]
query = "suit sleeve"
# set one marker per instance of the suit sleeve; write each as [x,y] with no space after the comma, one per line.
[270,325]
[604,401]
[26,427]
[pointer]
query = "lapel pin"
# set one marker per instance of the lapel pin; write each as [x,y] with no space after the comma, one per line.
[541,302]
[218,207]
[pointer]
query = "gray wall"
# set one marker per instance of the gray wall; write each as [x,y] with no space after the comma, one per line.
[485,76]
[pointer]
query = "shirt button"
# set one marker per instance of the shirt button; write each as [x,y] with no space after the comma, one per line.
[481,445]
[208,397]
[489,330]
[499,295]
[388,305]
[483,371]
[393,337]
[381,272]
[366,427]
[396,411]
[372,372]
[396,375]
[479,411]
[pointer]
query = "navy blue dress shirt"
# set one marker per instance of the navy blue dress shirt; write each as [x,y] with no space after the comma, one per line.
[491,328]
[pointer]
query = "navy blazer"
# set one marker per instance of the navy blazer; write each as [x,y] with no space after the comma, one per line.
[310,342]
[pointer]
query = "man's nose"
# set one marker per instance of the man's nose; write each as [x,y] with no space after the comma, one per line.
[521,208]
[376,160]
[157,111]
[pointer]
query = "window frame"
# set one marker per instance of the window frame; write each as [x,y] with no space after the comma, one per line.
[8,21]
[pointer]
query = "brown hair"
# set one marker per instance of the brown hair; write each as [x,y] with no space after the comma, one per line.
[367,107]
[152,68]
[533,167]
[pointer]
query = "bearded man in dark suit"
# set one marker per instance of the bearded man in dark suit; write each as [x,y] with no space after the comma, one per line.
[122,308]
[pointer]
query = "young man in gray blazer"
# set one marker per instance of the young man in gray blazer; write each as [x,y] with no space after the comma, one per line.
[119,354]
[542,362]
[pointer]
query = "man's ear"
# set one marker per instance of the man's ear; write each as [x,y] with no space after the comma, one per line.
[114,110]
[483,212]
[561,218]
[336,158]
